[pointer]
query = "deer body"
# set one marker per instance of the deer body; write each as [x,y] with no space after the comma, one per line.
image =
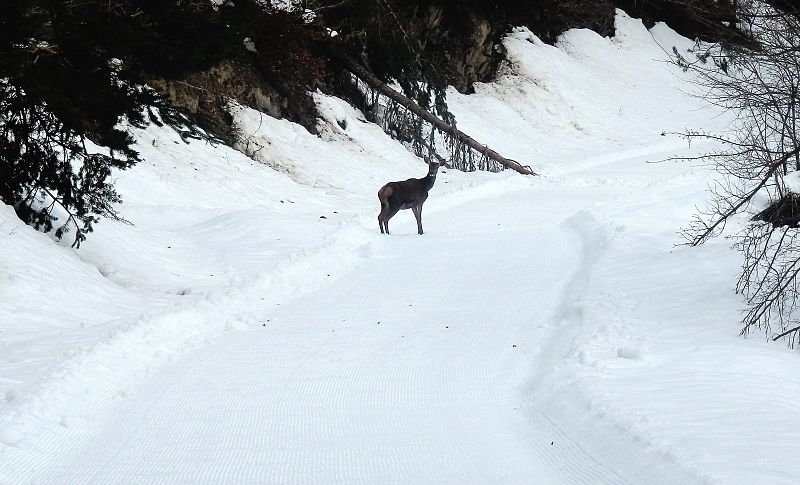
[406,194]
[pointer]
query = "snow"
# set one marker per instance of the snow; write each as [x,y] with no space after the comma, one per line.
[253,326]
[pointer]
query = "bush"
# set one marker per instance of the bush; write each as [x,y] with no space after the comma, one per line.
[757,79]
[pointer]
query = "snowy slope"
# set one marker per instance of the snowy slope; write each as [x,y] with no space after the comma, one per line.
[252,326]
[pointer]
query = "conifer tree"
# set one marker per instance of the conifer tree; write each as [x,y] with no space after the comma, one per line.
[57,92]
[72,71]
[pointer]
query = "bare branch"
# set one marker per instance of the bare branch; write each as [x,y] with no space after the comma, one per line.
[757,81]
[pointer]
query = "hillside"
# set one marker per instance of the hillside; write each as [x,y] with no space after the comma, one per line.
[252,326]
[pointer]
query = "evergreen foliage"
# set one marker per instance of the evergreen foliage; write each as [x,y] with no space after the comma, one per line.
[423,45]
[71,71]
[391,38]
[55,92]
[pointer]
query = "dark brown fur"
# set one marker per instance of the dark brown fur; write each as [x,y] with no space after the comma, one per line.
[406,194]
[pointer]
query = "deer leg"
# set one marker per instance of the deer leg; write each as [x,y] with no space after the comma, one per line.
[418,214]
[382,215]
[383,218]
[380,219]
[389,215]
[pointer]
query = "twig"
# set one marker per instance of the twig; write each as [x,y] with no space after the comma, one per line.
[786,333]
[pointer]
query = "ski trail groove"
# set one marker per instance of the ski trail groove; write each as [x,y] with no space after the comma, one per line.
[383,378]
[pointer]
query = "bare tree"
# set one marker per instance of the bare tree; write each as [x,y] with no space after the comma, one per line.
[758,79]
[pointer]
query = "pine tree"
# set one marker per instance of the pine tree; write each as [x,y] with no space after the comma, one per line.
[56,94]
[71,71]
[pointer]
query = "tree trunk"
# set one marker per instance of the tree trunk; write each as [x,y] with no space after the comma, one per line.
[462,137]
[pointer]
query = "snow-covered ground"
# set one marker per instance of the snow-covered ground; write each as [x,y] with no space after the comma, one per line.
[253,326]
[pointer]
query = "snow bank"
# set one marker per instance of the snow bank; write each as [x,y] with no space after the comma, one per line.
[643,338]
[567,106]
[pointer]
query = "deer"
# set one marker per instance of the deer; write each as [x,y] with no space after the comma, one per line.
[406,194]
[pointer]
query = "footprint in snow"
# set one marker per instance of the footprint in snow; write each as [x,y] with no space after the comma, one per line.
[10,436]
[630,353]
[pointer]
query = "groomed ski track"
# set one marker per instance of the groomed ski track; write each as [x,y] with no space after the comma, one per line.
[384,375]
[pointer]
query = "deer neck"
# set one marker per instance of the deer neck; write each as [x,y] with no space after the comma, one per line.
[429,181]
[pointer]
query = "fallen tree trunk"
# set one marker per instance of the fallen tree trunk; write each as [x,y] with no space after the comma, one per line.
[459,136]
